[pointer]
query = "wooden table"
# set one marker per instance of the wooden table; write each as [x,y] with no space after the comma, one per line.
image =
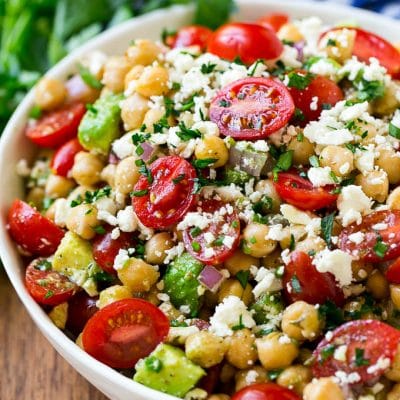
[30,368]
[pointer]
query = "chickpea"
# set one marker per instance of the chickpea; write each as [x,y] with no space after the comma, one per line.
[295,377]
[394,394]
[133,110]
[170,311]
[323,389]
[339,159]
[388,103]
[389,161]
[152,296]
[115,71]
[205,349]
[267,188]
[212,147]
[290,32]
[142,52]
[227,373]
[338,44]
[112,294]
[132,76]
[361,270]
[241,351]
[377,285]
[393,373]
[86,169]
[393,201]
[126,175]
[369,132]
[256,242]
[239,261]
[36,197]
[302,150]
[311,244]
[108,174]
[301,321]
[276,351]
[155,248]
[50,93]
[220,397]
[375,184]
[256,374]
[232,287]
[137,275]
[153,81]
[58,186]
[395,295]
[273,260]
[298,231]
[82,220]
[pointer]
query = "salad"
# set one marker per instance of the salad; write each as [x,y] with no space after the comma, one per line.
[217,215]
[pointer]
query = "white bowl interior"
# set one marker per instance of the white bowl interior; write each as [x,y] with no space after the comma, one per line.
[14,146]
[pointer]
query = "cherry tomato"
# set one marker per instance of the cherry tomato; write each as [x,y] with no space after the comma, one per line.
[273,20]
[327,92]
[192,35]
[81,308]
[224,224]
[164,200]
[34,233]
[124,331]
[63,159]
[105,249]
[378,244]
[367,341]
[252,108]
[47,287]
[368,44]
[302,281]
[300,192]
[249,42]
[393,272]
[265,391]
[56,127]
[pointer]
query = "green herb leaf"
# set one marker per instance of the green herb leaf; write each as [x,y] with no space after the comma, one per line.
[99,230]
[394,130]
[332,314]
[299,81]
[178,179]
[327,352]
[219,241]
[253,70]
[284,163]
[207,68]
[153,364]
[359,359]
[194,232]
[274,373]
[292,242]
[204,163]
[296,286]
[140,193]
[89,78]
[239,326]
[49,294]
[327,226]
[186,134]
[314,161]
[243,277]
[380,248]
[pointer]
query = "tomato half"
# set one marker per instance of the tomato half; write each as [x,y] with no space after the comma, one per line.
[302,281]
[105,249]
[252,108]
[47,287]
[265,391]
[367,341]
[249,42]
[166,199]
[125,331]
[300,192]
[273,20]
[224,225]
[378,244]
[393,272]
[63,159]
[34,233]
[327,92]
[192,35]
[56,127]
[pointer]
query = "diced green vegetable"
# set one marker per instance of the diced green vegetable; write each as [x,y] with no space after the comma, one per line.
[267,306]
[236,176]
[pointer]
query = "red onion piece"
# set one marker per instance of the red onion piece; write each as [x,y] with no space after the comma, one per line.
[148,151]
[248,161]
[211,278]
[299,46]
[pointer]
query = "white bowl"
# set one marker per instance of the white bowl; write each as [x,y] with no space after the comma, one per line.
[14,146]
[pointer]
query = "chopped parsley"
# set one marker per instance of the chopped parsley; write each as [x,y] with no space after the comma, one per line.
[43,265]
[204,163]
[178,179]
[165,34]
[159,126]
[292,243]
[89,78]
[296,286]
[299,81]
[91,197]
[264,205]
[254,69]
[274,373]
[140,193]
[380,248]
[394,130]
[219,241]
[327,352]
[359,359]
[207,68]
[299,115]
[243,277]
[332,315]
[99,230]
[331,42]
[327,226]
[196,246]
[194,232]
[283,164]
[186,134]
[188,104]
[239,326]
[49,294]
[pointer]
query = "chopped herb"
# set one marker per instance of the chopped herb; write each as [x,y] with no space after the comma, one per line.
[254,69]
[146,172]
[99,230]
[359,359]
[311,253]
[380,248]
[334,177]
[179,178]
[140,193]
[176,86]
[235,224]
[281,69]
[292,242]
[253,240]
[296,286]
[203,118]
[89,78]
[369,90]
[238,60]
[187,105]
[326,106]
[331,42]
[224,103]
[207,68]
[280,271]
[243,277]
[299,81]
[274,373]
[298,114]
[332,314]
[219,241]
[283,164]
[153,364]
[43,265]
[137,138]
[186,134]
[139,150]
[165,34]
[239,326]
[327,226]
[102,277]
[49,294]
[327,352]
[195,231]
[314,161]
[169,107]
[300,137]
[175,323]
[91,108]
[91,197]
[288,42]
[346,182]
[162,124]
[204,163]
[394,130]
[196,246]
[35,112]
[263,205]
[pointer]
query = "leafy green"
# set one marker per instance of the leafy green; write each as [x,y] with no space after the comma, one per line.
[213,13]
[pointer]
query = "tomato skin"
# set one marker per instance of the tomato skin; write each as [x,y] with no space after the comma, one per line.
[35,233]
[47,287]
[316,287]
[252,108]
[222,252]
[192,35]
[265,391]
[249,42]
[393,272]
[377,339]
[389,236]
[138,328]
[165,202]
[56,127]
[274,21]
[300,192]
[327,91]
[105,249]
[63,159]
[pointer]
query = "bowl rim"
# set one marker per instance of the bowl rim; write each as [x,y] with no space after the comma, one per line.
[7,250]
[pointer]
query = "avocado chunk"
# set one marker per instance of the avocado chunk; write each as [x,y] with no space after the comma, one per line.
[168,370]
[236,176]
[181,284]
[100,125]
[266,307]
[74,259]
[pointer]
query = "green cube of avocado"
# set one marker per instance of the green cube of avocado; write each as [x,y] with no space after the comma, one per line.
[168,370]
[100,125]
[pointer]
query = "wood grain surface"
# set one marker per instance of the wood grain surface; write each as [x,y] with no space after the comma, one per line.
[30,368]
